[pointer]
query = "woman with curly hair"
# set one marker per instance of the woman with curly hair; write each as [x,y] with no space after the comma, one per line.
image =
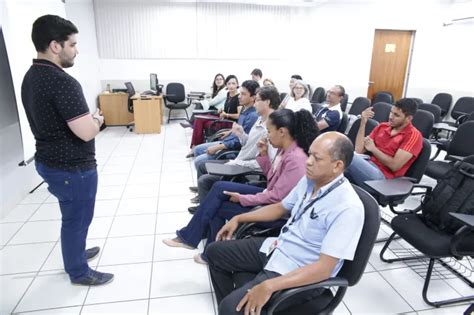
[291,133]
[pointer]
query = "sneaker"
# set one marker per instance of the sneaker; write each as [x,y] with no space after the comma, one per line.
[92,253]
[192,210]
[185,124]
[94,278]
[195,199]
[198,259]
[189,155]
[176,242]
[193,189]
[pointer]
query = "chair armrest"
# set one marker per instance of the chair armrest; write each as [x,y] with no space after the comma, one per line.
[223,154]
[391,188]
[466,219]
[454,158]
[281,296]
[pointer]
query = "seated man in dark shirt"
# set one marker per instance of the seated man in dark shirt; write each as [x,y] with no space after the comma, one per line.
[324,229]
[328,117]
[394,145]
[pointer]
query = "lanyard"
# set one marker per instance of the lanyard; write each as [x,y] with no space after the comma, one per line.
[313,215]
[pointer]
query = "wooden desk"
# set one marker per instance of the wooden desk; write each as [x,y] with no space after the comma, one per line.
[114,106]
[148,113]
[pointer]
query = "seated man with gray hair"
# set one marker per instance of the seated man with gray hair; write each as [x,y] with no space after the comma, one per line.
[323,230]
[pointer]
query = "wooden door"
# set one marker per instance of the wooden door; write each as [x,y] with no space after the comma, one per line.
[390,62]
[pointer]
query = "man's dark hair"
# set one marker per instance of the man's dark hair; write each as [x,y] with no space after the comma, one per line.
[256,72]
[407,105]
[270,93]
[251,86]
[341,89]
[342,149]
[51,27]
[296,76]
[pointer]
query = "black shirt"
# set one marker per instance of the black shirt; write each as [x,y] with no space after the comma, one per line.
[51,98]
[231,104]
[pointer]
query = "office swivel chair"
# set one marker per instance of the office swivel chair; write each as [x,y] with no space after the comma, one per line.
[175,99]
[131,92]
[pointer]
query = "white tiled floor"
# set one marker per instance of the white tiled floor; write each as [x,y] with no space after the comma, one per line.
[142,199]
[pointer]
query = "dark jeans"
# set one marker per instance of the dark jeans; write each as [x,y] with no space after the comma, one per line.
[231,262]
[76,191]
[205,180]
[213,211]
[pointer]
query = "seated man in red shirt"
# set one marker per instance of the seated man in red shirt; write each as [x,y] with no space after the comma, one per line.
[393,145]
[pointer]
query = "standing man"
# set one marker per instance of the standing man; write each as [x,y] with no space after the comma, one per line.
[64,131]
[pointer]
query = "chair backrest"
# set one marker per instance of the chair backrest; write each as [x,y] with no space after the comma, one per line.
[344,100]
[131,92]
[359,105]
[423,121]
[343,123]
[417,169]
[384,97]
[315,107]
[282,96]
[432,108]
[463,106]
[461,144]
[444,101]
[175,92]
[352,134]
[382,111]
[319,95]
[417,100]
[353,270]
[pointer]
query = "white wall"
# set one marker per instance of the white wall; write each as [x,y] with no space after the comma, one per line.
[337,50]
[86,64]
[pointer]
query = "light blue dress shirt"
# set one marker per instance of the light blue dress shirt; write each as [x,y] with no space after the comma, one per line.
[334,230]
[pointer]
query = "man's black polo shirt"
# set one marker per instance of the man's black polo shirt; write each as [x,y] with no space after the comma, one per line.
[51,98]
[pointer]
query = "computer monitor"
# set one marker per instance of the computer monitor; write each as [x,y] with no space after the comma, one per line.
[130,89]
[153,82]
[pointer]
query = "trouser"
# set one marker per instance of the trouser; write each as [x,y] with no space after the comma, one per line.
[199,125]
[207,220]
[75,191]
[362,170]
[200,152]
[230,259]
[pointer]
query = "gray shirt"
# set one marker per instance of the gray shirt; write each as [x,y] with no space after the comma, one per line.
[249,150]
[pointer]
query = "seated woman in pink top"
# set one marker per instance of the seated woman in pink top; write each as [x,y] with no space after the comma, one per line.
[291,133]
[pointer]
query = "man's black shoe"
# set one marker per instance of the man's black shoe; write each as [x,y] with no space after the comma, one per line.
[193,189]
[195,199]
[94,278]
[192,210]
[92,253]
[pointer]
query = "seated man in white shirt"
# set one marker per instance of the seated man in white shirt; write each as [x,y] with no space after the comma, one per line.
[324,229]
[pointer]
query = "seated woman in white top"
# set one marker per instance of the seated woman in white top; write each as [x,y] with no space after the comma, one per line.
[299,97]
[218,96]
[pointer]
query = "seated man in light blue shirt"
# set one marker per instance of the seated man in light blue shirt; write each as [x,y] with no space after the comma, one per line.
[323,230]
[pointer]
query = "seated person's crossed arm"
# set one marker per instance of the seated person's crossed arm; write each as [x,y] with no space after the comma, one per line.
[291,133]
[323,230]
[394,145]
[230,141]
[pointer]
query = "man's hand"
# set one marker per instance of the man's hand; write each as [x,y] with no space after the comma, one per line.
[213,150]
[98,116]
[255,299]
[234,196]
[262,146]
[367,113]
[369,144]
[224,134]
[237,129]
[226,232]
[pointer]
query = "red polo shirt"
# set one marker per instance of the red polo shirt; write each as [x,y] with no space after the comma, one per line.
[408,139]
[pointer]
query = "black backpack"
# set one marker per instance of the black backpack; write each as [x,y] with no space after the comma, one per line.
[454,192]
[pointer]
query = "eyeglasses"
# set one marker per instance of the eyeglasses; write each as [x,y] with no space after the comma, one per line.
[298,88]
[333,93]
[257,99]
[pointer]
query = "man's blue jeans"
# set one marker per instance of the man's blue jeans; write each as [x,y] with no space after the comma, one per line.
[76,191]
[200,152]
[362,170]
